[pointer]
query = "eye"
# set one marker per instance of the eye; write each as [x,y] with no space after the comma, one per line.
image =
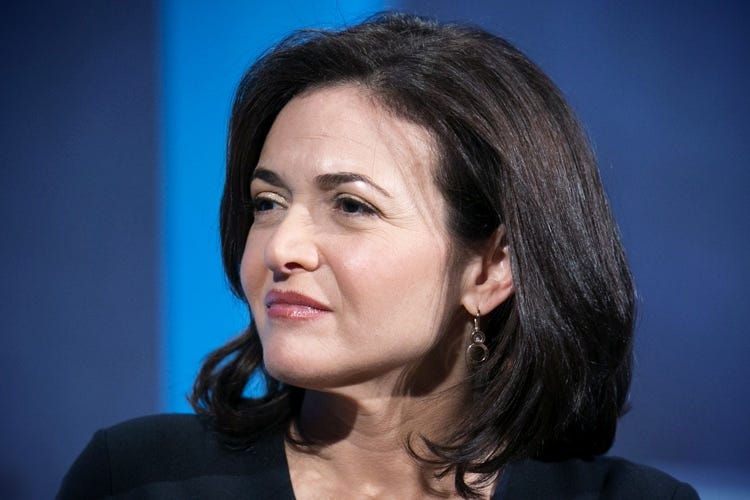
[262,205]
[353,206]
[265,202]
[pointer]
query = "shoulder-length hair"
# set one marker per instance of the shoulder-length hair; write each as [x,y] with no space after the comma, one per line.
[510,151]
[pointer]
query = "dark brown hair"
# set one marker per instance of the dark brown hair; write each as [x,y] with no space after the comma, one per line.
[510,152]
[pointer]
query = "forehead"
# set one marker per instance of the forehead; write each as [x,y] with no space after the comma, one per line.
[345,128]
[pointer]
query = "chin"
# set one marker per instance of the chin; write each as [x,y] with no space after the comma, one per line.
[292,367]
[286,372]
[308,372]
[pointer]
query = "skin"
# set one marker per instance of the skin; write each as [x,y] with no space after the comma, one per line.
[348,272]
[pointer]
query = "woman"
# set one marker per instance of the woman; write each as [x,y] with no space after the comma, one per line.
[441,303]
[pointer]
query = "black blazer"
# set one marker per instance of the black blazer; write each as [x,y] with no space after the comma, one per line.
[178,456]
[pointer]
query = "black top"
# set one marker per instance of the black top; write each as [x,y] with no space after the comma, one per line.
[178,456]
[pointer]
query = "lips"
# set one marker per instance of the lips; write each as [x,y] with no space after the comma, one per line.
[293,305]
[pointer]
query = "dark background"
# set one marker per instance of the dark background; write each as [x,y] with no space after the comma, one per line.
[660,86]
[78,258]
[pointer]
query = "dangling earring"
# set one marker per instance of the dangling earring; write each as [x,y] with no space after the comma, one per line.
[477,352]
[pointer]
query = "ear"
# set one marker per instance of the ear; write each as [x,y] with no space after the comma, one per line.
[488,278]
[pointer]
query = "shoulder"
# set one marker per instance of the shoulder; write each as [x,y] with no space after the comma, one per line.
[161,438]
[164,455]
[603,477]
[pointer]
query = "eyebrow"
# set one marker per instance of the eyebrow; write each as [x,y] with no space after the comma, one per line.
[268,176]
[324,181]
[330,181]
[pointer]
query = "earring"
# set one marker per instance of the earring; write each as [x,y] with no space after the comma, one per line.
[477,352]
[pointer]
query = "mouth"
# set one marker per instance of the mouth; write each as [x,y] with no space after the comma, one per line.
[293,305]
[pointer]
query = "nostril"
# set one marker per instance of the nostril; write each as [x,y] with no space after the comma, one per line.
[283,272]
[279,277]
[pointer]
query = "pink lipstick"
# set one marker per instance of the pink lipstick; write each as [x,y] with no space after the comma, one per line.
[293,305]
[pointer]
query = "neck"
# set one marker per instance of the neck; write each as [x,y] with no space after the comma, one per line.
[378,421]
[360,440]
[365,442]
[426,399]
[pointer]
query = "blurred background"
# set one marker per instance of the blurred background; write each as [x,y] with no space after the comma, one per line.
[111,164]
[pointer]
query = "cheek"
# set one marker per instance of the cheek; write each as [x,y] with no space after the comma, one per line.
[359,264]
[397,275]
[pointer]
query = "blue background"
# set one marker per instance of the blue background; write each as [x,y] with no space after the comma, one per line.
[111,162]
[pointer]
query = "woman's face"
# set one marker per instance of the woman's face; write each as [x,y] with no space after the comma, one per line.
[346,265]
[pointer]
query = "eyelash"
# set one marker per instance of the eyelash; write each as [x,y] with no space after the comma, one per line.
[263,198]
[361,207]
[348,205]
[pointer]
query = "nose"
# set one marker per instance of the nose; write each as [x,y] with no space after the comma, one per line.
[292,247]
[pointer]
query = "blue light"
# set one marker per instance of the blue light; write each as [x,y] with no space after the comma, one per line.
[205,50]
